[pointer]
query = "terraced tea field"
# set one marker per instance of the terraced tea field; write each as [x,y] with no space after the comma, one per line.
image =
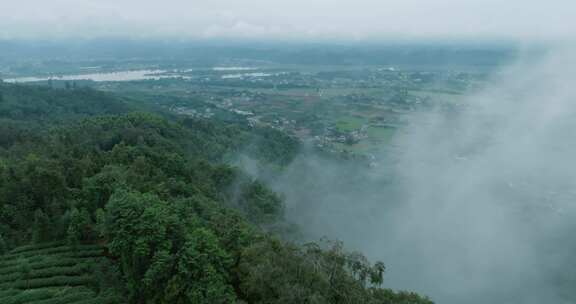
[54,273]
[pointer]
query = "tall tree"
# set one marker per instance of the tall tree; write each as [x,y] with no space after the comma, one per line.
[41,230]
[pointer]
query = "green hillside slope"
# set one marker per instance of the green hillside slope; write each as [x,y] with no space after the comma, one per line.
[142,208]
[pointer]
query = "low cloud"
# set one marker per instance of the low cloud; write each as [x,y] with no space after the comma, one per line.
[475,204]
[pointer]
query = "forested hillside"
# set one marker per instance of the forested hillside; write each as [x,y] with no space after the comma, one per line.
[100,204]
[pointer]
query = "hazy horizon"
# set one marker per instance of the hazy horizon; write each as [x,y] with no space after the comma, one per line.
[319,20]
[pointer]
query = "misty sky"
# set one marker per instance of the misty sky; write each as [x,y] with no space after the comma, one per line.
[290,19]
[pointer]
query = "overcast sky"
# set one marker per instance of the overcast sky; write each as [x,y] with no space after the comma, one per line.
[290,19]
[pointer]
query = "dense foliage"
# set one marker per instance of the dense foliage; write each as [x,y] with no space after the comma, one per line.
[154,199]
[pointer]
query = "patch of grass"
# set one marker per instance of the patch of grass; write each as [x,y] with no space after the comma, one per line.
[381,134]
[349,123]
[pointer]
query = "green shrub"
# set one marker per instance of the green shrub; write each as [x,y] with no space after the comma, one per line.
[103,300]
[36,247]
[77,269]
[28,296]
[47,263]
[8,293]
[6,259]
[71,297]
[56,281]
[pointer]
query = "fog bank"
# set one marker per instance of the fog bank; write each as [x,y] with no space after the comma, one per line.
[470,204]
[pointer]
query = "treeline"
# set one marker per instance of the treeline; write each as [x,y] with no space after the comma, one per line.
[176,223]
[43,104]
